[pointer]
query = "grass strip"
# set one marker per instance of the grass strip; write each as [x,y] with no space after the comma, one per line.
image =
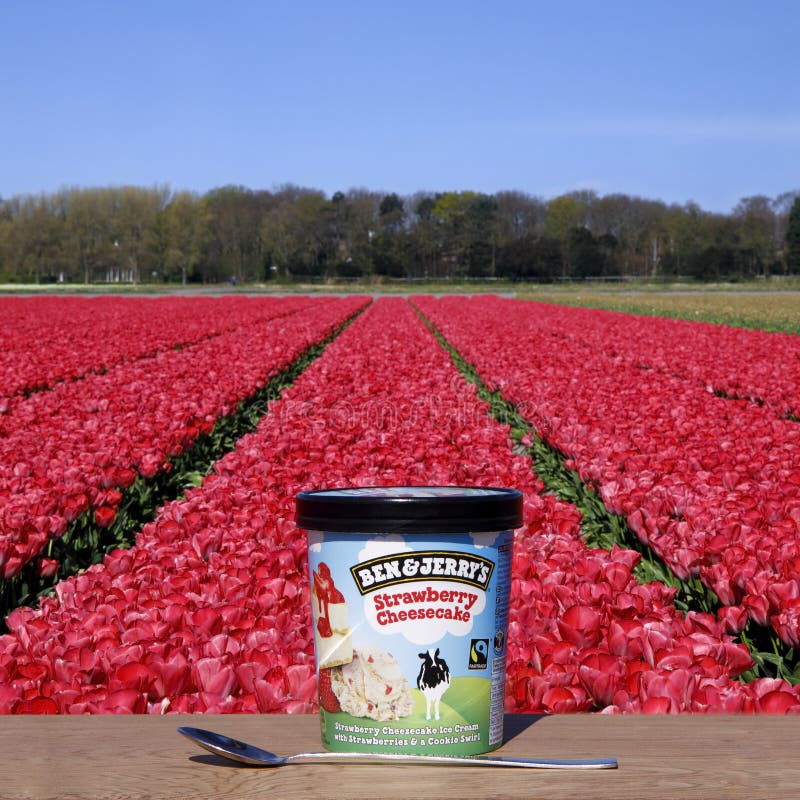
[768,309]
[604,529]
[86,543]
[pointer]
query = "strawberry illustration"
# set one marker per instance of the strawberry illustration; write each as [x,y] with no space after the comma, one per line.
[324,627]
[327,698]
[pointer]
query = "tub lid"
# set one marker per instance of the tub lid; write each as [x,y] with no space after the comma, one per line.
[410,509]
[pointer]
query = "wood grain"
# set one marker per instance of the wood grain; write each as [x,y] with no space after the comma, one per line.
[681,757]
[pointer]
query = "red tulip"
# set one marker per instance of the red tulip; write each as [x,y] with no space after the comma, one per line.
[657,705]
[48,567]
[564,700]
[37,705]
[124,477]
[601,676]
[778,703]
[580,625]
[133,676]
[734,618]
[104,516]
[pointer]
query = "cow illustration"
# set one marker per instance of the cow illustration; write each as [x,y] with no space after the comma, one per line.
[433,679]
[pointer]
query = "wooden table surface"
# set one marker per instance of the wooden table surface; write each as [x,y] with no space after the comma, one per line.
[685,757]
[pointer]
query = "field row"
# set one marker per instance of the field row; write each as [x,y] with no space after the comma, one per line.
[75,448]
[46,340]
[711,484]
[209,611]
[761,367]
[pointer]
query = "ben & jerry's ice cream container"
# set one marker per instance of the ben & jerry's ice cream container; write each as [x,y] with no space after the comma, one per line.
[409,596]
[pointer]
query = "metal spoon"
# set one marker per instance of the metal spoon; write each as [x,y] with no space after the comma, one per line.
[235,750]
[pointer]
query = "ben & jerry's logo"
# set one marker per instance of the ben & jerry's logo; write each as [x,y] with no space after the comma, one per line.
[424,565]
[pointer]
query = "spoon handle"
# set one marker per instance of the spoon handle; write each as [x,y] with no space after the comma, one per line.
[462,761]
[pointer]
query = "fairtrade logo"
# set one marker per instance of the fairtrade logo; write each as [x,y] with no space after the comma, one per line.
[479,654]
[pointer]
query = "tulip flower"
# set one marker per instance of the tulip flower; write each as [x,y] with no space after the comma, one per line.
[209,612]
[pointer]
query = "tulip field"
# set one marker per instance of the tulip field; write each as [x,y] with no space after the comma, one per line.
[171,577]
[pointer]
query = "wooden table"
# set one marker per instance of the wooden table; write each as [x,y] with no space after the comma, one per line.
[685,757]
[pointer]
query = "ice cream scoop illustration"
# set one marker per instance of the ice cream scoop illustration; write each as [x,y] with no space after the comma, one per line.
[372,685]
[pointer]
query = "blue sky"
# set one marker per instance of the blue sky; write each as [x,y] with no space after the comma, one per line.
[681,101]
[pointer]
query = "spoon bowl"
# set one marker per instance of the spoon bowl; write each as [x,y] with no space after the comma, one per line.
[253,756]
[232,749]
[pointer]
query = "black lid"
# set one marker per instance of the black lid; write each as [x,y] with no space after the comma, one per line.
[410,509]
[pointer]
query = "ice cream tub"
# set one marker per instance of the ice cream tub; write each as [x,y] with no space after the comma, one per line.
[409,604]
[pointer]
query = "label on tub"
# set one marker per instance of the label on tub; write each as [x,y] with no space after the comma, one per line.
[410,636]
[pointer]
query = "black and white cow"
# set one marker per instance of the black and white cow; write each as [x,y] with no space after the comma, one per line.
[433,679]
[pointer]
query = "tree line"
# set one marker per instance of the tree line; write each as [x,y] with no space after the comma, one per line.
[233,233]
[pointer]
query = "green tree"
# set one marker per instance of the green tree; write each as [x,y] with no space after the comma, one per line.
[793,239]
[235,249]
[716,262]
[564,214]
[278,228]
[89,231]
[479,259]
[387,242]
[37,236]
[684,231]
[312,248]
[531,258]
[425,244]
[391,213]
[586,257]
[388,254]
[757,226]
[468,226]
[183,228]
[353,220]
[519,216]
[134,216]
[293,231]
[6,232]
[638,227]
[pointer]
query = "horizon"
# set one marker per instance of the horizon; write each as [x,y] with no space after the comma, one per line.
[690,105]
